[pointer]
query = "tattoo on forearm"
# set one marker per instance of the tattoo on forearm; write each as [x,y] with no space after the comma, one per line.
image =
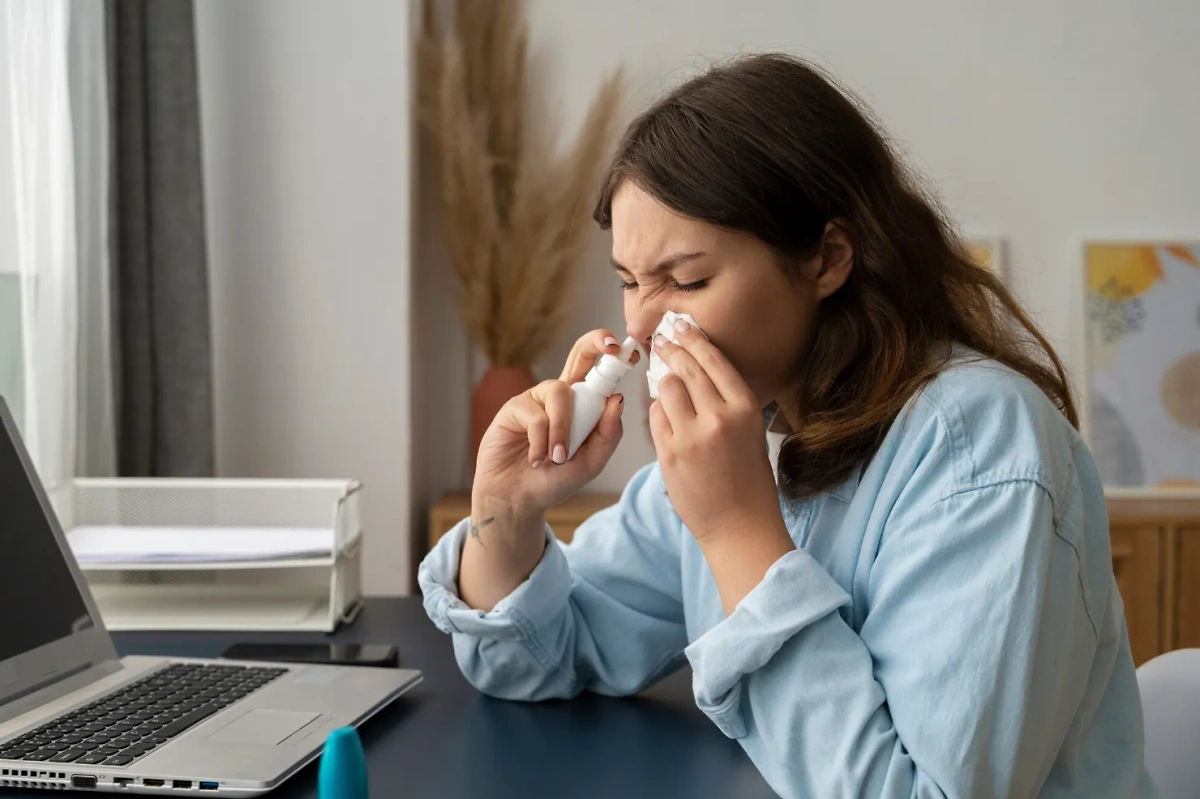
[479,524]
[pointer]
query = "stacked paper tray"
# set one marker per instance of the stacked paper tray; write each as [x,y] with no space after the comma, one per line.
[217,554]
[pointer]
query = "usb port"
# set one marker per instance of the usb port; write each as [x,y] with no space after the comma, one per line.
[181,783]
[149,783]
[122,781]
[83,781]
[208,785]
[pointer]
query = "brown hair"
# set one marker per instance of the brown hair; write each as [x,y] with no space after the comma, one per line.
[768,145]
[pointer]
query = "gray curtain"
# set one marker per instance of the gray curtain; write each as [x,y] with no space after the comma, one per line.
[162,347]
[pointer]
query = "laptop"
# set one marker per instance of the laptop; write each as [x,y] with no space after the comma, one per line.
[74,715]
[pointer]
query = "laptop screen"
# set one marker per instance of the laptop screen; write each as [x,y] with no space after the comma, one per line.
[37,592]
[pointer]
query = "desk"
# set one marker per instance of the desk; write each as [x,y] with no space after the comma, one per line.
[443,739]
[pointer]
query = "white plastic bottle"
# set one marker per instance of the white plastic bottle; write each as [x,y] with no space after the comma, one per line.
[593,392]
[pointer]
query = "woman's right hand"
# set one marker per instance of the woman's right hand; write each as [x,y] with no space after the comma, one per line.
[522,458]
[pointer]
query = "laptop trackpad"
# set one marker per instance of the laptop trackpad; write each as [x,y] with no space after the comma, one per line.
[261,726]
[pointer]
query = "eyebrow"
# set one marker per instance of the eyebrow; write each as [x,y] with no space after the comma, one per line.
[664,265]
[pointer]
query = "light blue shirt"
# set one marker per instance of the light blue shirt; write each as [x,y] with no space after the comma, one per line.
[949,624]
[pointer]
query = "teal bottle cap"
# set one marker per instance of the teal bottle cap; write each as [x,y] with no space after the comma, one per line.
[343,770]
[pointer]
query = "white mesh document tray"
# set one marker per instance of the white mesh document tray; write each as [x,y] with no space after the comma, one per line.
[218,554]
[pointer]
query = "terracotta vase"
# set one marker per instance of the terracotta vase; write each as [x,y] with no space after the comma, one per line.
[498,385]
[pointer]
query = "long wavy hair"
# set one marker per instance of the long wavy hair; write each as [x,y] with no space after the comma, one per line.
[770,145]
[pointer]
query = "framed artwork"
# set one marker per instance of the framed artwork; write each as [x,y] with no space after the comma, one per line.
[1142,344]
[988,252]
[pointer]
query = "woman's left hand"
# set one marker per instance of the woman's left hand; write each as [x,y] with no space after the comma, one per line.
[708,430]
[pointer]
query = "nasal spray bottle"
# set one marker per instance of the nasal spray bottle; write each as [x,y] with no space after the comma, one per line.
[591,395]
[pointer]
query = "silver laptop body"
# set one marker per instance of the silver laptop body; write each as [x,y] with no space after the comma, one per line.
[57,659]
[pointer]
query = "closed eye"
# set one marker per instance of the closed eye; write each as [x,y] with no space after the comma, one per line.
[629,285]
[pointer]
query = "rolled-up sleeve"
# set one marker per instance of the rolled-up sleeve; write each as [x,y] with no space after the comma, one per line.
[795,592]
[530,606]
[603,613]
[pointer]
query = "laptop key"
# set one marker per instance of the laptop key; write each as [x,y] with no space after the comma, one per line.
[118,760]
[140,716]
[195,717]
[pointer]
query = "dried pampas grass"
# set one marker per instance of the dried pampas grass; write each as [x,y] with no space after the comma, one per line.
[515,218]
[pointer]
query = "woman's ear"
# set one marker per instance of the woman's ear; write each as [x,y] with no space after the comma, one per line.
[837,258]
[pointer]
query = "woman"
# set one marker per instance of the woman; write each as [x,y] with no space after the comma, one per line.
[915,596]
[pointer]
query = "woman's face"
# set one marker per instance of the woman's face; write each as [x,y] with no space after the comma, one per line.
[730,282]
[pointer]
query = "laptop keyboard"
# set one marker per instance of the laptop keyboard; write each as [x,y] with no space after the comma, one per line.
[123,726]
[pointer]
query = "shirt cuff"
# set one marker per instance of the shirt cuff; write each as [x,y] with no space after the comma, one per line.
[531,606]
[794,593]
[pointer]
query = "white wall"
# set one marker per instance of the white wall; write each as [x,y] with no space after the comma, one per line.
[1040,122]
[307,140]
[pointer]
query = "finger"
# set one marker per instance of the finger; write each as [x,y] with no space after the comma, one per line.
[699,386]
[602,443]
[660,426]
[557,396]
[675,402]
[587,349]
[726,380]
[531,416]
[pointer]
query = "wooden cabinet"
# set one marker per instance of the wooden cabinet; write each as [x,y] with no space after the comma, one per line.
[1156,560]
[1187,617]
[563,519]
[1137,560]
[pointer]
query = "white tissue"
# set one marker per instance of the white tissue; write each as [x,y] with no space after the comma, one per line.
[658,368]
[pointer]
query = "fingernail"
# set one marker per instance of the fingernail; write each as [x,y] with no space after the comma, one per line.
[660,340]
[537,464]
[560,454]
[682,326]
[610,342]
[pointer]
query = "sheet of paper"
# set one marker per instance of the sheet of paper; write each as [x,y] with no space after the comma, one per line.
[114,544]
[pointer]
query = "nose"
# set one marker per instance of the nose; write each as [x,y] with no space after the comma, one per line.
[640,321]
